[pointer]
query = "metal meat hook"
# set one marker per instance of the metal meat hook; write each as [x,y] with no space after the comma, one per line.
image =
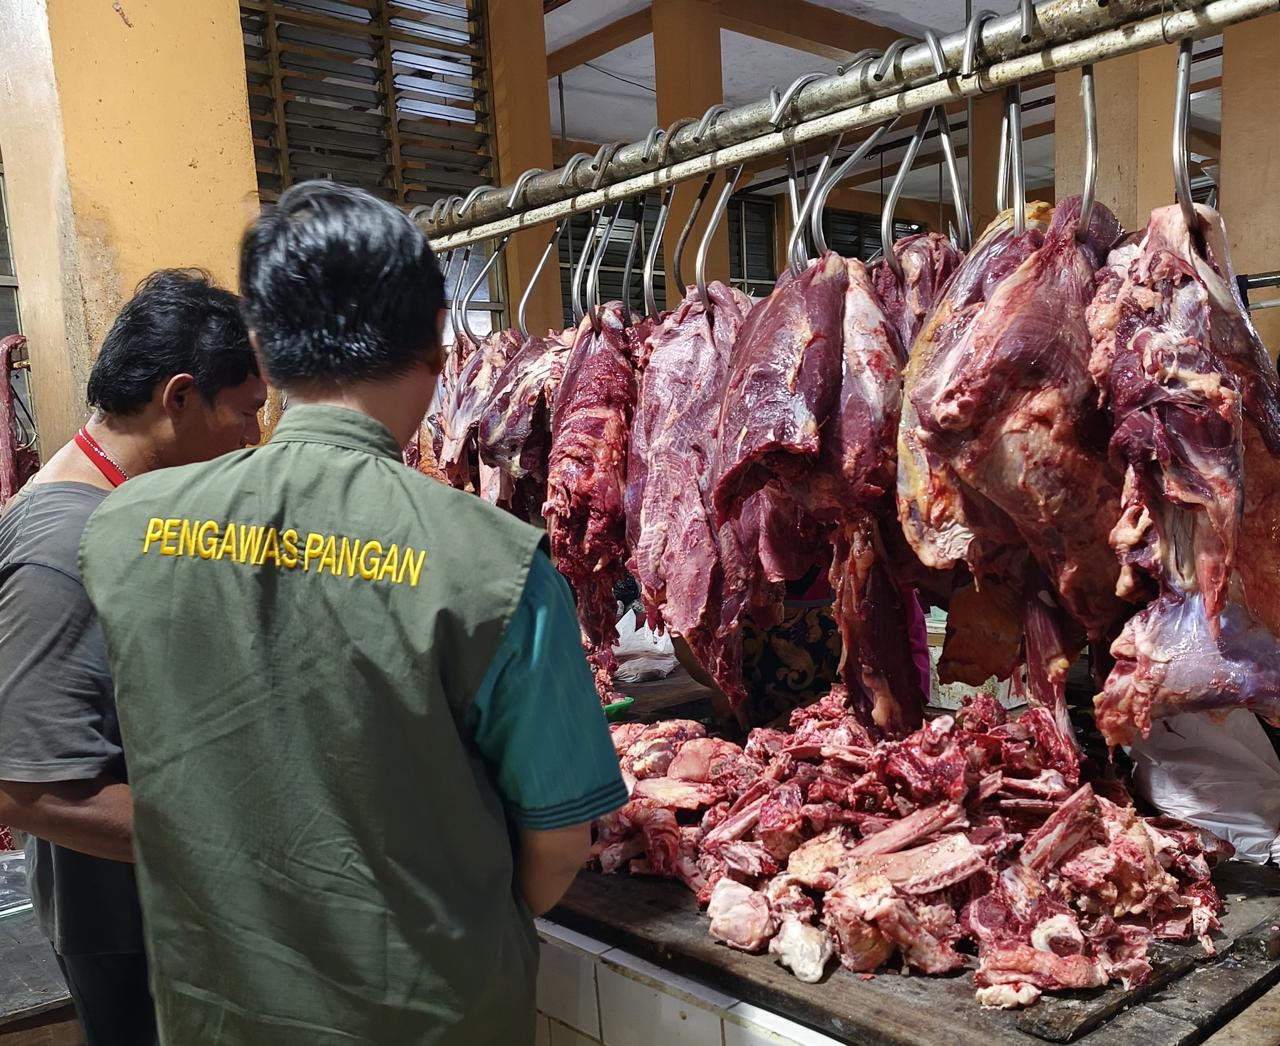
[494,255]
[837,176]
[700,263]
[455,318]
[678,254]
[797,256]
[889,58]
[1181,160]
[1013,106]
[593,280]
[640,206]
[864,58]
[552,245]
[792,93]
[1090,150]
[580,270]
[473,196]
[651,255]
[895,190]
[1027,8]
[964,233]
[973,40]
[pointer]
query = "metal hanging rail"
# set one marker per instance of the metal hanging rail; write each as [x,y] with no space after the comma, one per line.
[1067,34]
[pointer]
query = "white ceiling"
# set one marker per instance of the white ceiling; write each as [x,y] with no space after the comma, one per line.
[613,97]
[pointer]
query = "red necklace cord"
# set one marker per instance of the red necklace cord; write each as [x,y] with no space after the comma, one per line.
[114,473]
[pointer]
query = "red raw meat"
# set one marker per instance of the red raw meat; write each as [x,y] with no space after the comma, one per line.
[693,573]
[839,845]
[18,465]
[585,482]
[783,384]
[464,398]
[928,259]
[514,429]
[1195,402]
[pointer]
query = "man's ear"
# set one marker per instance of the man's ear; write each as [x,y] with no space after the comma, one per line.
[178,393]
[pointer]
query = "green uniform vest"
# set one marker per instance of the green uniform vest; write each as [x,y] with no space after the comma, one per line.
[295,634]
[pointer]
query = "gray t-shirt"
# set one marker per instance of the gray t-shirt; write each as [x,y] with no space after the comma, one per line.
[58,711]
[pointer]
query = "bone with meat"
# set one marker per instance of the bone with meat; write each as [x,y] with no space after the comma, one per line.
[910,847]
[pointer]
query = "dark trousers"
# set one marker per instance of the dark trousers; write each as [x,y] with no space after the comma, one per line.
[112,999]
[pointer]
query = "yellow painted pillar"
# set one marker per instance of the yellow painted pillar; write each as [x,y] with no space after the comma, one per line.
[1135,128]
[688,77]
[1249,182]
[517,55]
[125,134]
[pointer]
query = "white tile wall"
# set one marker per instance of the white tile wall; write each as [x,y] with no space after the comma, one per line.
[592,995]
[567,987]
[542,1032]
[633,1013]
[747,1025]
[657,977]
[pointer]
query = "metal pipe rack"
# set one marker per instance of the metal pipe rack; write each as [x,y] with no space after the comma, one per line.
[1066,34]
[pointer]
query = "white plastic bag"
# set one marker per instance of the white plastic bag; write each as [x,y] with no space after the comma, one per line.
[642,654]
[1219,774]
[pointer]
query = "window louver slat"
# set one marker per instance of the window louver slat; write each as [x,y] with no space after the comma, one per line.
[389,95]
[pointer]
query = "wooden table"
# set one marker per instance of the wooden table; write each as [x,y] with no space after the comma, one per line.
[1188,999]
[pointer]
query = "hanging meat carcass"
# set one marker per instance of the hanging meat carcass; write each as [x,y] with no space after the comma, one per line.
[927,260]
[1196,407]
[784,381]
[855,489]
[1002,396]
[691,571]
[586,480]
[514,428]
[467,388]
[1003,415]
[809,417]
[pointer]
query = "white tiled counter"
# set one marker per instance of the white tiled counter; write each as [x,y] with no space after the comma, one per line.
[590,994]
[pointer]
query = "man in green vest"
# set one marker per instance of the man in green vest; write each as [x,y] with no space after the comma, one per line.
[365,747]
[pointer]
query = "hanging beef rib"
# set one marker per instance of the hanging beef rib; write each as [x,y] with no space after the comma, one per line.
[586,473]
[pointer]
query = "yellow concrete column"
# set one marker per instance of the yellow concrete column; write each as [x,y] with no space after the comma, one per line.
[688,77]
[517,56]
[125,134]
[1249,181]
[1135,127]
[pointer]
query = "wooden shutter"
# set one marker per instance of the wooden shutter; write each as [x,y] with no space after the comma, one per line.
[389,95]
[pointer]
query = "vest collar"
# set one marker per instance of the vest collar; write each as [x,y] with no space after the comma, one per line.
[336,426]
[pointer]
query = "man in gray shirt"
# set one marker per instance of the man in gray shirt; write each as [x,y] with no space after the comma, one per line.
[175,382]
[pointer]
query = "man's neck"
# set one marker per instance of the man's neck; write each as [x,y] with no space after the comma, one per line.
[399,405]
[130,442]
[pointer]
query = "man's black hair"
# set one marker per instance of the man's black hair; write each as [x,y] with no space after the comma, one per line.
[177,322]
[339,287]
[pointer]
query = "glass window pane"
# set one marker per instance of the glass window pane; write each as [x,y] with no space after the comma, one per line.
[6,249]
[10,323]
